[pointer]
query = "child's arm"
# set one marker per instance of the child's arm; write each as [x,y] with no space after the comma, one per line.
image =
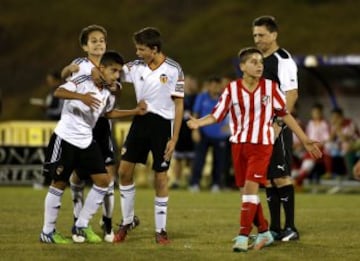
[139,110]
[86,98]
[69,69]
[194,123]
[310,145]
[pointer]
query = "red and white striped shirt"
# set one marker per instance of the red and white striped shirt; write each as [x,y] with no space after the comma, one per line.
[251,113]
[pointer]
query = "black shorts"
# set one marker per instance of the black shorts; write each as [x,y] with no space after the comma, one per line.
[150,132]
[280,162]
[62,158]
[184,148]
[103,137]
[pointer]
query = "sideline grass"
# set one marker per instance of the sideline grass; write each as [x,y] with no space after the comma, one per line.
[200,225]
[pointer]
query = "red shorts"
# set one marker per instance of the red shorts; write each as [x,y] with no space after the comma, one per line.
[250,162]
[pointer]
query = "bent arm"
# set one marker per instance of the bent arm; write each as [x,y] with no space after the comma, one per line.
[116,113]
[63,93]
[68,70]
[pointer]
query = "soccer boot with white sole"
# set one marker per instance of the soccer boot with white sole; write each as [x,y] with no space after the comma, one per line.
[241,244]
[54,238]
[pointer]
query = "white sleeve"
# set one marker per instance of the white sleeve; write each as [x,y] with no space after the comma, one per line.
[70,86]
[287,75]
[126,74]
[85,67]
[178,87]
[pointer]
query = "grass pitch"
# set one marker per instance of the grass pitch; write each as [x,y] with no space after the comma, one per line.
[201,227]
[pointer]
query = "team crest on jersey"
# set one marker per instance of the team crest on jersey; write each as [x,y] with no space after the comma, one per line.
[163,78]
[59,169]
[265,100]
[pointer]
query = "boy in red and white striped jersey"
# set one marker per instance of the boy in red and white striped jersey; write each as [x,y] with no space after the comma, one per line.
[252,103]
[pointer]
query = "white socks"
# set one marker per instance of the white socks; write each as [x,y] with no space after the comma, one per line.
[52,206]
[160,213]
[127,200]
[93,200]
[77,196]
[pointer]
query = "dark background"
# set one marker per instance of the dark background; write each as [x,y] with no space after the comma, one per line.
[37,36]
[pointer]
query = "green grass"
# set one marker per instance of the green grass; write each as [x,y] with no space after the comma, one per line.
[201,227]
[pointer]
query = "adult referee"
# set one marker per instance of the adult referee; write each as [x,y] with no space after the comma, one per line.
[280,67]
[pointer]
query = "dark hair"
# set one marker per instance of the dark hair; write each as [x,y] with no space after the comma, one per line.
[338,111]
[150,37]
[244,53]
[318,106]
[267,21]
[111,57]
[84,34]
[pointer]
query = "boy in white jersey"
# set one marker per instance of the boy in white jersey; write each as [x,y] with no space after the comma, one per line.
[160,82]
[92,40]
[252,102]
[72,147]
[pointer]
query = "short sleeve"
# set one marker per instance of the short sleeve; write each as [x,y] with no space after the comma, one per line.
[178,90]
[126,73]
[70,86]
[288,75]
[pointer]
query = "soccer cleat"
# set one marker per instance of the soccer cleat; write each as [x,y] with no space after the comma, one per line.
[290,234]
[109,237]
[54,238]
[241,244]
[123,230]
[263,239]
[162,238]
[85,234]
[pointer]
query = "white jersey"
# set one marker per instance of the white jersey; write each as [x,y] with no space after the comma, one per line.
[280,67]
[77,119]
[85,67]
[156,87]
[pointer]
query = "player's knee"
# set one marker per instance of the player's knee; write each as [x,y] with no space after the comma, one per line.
[126,178]
[101,180]
[58,184]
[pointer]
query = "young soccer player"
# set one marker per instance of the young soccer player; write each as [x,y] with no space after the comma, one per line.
[159,81]
[92,40]
[252,103]
[72,147]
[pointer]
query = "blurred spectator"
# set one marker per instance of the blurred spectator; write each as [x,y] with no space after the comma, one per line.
[317,129]
[184,150]
[340,147]
[51,105]
[215,136]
